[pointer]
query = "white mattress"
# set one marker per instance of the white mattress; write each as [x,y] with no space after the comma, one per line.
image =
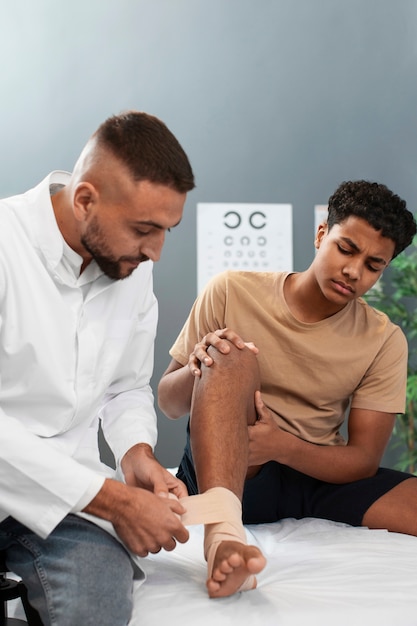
[318,573]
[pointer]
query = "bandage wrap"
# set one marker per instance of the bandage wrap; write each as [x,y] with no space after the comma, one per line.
[221,512]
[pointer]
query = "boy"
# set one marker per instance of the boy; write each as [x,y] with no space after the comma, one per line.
[274,362]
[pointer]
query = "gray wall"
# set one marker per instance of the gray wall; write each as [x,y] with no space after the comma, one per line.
[274,101]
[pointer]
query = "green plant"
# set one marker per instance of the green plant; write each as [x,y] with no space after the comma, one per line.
[396,295]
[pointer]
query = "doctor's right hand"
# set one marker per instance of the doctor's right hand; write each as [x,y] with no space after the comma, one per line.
[144,521]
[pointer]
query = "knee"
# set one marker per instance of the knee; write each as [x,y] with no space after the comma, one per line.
[231,381]
[115,601]
[238,360]
[102,595]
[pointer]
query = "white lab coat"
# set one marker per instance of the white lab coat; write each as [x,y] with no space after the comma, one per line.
[72,350]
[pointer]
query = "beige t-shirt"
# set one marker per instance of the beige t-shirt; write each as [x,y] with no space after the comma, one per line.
[310,373]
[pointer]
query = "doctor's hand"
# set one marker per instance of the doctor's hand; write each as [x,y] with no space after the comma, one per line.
[141,469]
[144,521]
[220,340]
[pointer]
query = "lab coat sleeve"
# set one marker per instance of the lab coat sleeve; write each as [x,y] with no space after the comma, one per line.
[128,414]
[39,485]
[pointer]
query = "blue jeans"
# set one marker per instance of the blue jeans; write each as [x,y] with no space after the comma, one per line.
[78,575]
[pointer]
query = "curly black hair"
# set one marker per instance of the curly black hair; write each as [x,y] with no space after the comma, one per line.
[378,205]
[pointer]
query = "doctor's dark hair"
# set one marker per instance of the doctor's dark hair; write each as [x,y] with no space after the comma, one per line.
[378,205]
[148,148]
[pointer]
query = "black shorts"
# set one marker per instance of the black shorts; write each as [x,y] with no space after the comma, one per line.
[278,492]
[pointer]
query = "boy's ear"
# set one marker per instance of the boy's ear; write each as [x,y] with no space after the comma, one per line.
[322,230]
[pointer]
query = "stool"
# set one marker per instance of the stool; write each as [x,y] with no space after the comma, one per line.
[10,590]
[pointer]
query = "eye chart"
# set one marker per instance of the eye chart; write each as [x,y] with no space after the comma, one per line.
[250,237]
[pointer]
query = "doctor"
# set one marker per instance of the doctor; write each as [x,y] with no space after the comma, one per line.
[77,326]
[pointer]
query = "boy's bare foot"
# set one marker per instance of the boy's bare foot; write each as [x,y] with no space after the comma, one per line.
[233,564]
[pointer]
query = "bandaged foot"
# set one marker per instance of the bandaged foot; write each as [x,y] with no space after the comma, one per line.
[231,563]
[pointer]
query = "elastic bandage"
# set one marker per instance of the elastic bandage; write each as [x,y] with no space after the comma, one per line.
[221,513]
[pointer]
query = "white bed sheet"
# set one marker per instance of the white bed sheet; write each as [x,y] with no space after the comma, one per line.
[318,573]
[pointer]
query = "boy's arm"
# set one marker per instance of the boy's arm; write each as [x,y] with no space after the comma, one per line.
[175,390]
[368,436]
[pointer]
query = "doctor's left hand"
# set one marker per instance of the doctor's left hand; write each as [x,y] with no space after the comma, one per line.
[141,469]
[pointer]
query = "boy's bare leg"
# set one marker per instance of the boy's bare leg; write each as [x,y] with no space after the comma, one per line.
[222,407]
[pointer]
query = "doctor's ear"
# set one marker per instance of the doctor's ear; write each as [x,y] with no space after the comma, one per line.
[322,230]
[84,199]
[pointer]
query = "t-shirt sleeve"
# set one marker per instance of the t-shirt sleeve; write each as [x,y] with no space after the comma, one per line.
[383,387]
[206,315]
